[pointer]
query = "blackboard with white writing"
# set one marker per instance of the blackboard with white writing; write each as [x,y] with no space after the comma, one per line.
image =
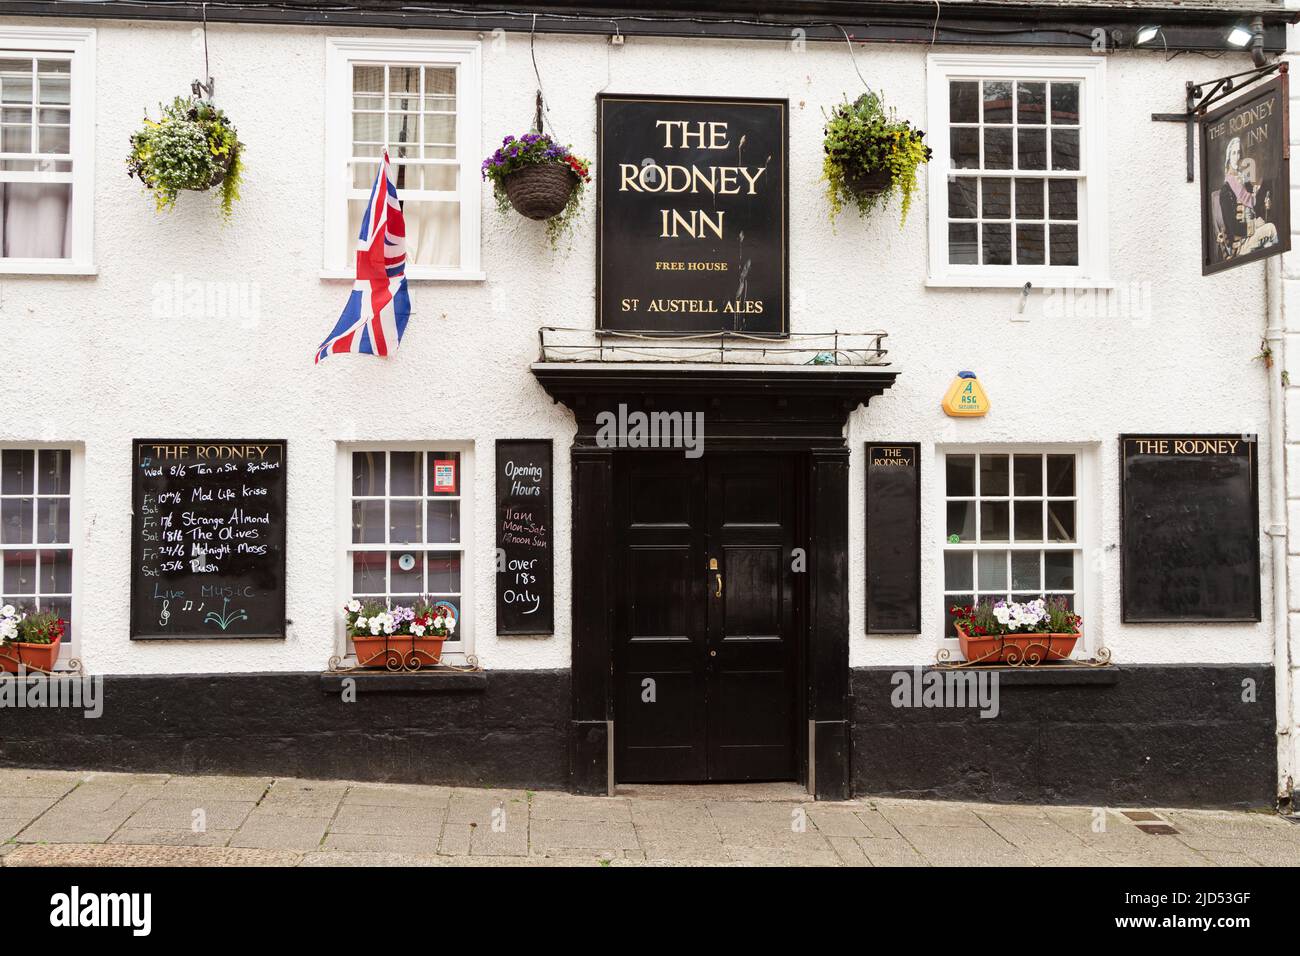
[525,543]
[1190,528]
[207,539]
[893,555]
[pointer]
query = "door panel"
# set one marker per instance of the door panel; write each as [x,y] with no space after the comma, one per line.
[704,659]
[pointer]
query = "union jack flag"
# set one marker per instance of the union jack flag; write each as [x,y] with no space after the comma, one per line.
[375,317]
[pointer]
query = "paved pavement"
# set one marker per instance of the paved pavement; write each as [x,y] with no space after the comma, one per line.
[62,818]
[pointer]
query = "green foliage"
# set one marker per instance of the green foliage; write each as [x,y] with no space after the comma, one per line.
[864,137]
[43,627]
[190,145]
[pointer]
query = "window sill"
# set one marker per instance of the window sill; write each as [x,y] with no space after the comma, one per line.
[38,267]
[432,681]
[350,275]
[1008,282]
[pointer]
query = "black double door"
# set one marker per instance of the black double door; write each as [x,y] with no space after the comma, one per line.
[705,654]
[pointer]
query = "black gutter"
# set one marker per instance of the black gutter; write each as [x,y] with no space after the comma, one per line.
[1015,25]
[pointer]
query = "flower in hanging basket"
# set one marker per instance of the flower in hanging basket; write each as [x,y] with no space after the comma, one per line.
[540,178]
[870,156]
[191,146]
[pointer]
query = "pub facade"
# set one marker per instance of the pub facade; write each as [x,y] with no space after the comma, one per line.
[720,473]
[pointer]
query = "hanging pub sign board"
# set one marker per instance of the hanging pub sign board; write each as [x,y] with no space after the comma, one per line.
[1246,179]
[1190,528]
[693,215]
[207,539]
[893,538]
[525,542]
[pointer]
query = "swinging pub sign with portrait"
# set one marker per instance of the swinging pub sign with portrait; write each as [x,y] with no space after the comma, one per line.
[1245,179]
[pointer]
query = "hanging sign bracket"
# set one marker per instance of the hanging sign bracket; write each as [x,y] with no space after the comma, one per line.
[1201,96]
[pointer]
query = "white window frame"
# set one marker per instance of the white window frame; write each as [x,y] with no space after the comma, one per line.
[71,645]
[79,45]
[1093,270]
[1086,516]
[340,55]
[454,651]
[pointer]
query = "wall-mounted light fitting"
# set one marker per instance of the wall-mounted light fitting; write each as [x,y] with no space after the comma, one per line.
[1145,35]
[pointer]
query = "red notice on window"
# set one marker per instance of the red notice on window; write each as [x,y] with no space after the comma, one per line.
[444,476]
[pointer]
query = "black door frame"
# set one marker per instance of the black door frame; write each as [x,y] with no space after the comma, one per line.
[749,409]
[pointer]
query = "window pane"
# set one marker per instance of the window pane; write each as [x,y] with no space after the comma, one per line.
[1065,103]
[1031,103]
[992,570]
[1060,521]
[995,521]
[17,471]
[996,195]
[964,142]
[1032,153]
[55,472]
[1028,475]
[1065,244]
[960,600]
[367,128]
[444,521]
[1029,521]
[1063,198]
[16,520]
[46,203]
[997,244]
[1031,246]
[1065,149]
[961,520]
[406,572]
[19,573]
[957,571]
[61,607]
[406,471]
[368,473]
[54,139]
[444,473]
[997,148]
[997,101]
[432,233]
[52,521]
[1059,570]
[994,475]
[56,572]
[406,521]
[961,475]
[964,101]
[1029,199]
[1024,570]
[368,522]
[368,572]
[444,572]
[56,90]
[963,243]
[1060,475]
[369,79]
[961,197]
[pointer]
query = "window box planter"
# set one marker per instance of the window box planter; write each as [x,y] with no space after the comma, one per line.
[1022,649]
[398,651]
[32,657]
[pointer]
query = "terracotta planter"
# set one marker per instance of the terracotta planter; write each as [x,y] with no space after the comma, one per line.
[871,183]
[398,652]
[1026,649]
[34,657]
[541,191]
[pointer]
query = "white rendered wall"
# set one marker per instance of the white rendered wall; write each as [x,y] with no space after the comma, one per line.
[102,370]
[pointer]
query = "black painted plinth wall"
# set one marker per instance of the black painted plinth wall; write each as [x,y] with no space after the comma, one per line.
[1131,735]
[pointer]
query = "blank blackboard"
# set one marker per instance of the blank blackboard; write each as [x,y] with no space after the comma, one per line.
[207,539]
[1190,528]
[893,555]
[525,542]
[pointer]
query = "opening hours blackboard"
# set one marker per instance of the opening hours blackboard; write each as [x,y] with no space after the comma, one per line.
[1190,528]
[207,539]
[525,546]
[893,538]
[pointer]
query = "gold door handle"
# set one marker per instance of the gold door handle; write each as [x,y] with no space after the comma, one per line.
[718,592]
[713,566]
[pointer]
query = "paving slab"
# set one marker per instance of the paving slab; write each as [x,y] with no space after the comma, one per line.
[568,834]
[270,831]
[477,806]
[564,806]
[419,844]
[37,783]
[188,813]
[159,836]
[397,795]
[424,821]
[217,787]
[116,854]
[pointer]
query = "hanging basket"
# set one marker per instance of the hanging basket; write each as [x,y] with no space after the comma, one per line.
[219,174]
[874,182]
[541,191]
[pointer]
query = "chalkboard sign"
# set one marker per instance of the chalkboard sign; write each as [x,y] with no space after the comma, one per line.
[207,533]
[1190,528]
[894,538]
[525,543]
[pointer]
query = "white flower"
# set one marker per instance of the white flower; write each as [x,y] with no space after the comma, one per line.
[417,630]
[1002,614]
[361,624]
[354,606]
[8,611]
[451,624]
[8,630]
[375,626]
[439,621]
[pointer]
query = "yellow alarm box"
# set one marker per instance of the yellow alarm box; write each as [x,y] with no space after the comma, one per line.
[965,397]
